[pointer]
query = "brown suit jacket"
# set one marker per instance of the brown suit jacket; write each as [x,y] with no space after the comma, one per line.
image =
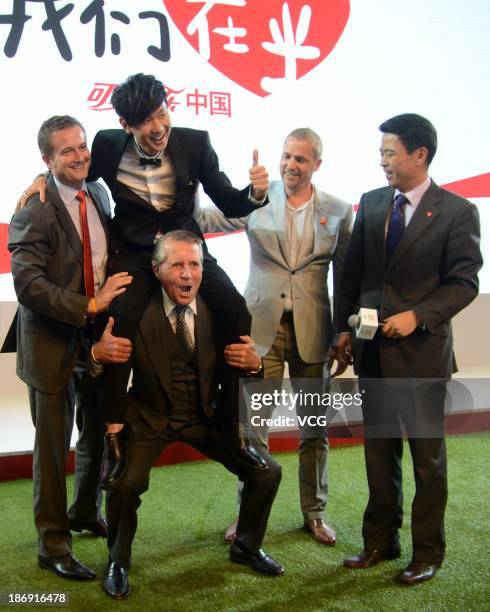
[150,395]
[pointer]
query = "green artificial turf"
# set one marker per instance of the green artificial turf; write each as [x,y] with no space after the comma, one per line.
[180,560]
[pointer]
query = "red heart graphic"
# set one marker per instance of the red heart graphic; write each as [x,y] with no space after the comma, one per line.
[262,45]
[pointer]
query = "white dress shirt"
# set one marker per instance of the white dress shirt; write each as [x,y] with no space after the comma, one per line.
[414,196]
[190,313]
[98,242]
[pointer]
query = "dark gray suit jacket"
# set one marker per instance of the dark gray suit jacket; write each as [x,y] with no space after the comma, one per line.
[434,271]
[150,396]
[47,267]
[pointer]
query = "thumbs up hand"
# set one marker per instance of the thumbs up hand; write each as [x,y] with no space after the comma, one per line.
[259,178]
[111,349]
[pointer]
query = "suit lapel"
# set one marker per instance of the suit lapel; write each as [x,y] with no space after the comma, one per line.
[120,144]
[320,224]
[64,219]
[152,328]
[377,214]
[178,155]
[319,213]
[100,212]
[206,351]
[278,206]
[324,227]
[424,215]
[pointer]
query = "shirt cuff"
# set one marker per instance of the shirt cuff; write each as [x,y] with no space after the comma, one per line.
[94,367]
[255,201]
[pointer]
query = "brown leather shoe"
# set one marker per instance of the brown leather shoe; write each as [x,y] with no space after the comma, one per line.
[321,531]
[230,533]
[367,558]
[418,571]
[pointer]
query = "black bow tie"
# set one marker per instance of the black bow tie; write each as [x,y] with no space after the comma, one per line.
[151,161]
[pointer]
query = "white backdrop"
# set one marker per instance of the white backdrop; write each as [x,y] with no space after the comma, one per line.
[391,56]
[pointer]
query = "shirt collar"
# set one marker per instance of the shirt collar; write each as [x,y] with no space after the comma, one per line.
[303,206]
[169,305]
[67,193]
[141,154]
[415,195]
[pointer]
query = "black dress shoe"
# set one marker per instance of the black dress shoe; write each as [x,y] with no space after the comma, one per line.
[250,454]
[116,582]
[258,561]
[99,528]
[113,459]
[247,450]
[66,566]
[367,558]
[418,571]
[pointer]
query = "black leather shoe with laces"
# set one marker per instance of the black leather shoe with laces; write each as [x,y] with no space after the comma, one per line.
[258,561]
[113,459]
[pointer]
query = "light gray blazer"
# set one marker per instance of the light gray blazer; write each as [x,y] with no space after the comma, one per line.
[271,277]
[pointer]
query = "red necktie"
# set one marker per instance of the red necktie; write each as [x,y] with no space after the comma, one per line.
[88,271]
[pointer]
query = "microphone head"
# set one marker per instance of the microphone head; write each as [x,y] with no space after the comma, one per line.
[353,321]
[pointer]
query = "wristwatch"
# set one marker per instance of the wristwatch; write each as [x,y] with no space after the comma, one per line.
[258,370]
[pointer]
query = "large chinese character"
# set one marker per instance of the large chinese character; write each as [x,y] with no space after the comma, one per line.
[200,23]
[162,52]
[220,103]
[289,44]
[18,18]
[233,33]
[95,10]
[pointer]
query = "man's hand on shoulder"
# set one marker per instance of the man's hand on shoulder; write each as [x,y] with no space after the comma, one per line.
[114,286]
[37,186]
[259,178]
[111,349]
[243,355]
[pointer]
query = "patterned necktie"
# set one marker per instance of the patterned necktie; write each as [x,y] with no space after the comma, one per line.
[88,270]
[396,225]
[183,333]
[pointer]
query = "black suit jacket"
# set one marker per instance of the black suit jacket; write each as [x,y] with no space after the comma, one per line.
[194,161]
[47,268]
[434,271]
[150,395]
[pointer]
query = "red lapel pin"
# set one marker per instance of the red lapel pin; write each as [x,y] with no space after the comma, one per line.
[429,213]
[323,220]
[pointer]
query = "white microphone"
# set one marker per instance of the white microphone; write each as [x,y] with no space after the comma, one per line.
[364,323]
